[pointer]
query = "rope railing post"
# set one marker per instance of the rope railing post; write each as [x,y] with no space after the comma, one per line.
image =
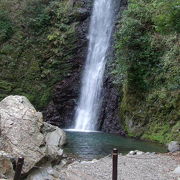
[18,170]
[114,164]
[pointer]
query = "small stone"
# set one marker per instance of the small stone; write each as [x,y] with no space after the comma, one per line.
[139,152]
[153,153]
[174,146]
[177,170]
[64,156]
[131,153]
[94,160]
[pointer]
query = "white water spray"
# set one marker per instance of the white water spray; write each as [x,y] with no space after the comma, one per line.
[100,31]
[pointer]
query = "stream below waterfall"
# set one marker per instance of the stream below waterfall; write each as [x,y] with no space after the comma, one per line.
[95,145]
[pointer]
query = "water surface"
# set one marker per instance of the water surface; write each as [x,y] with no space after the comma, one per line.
[94,145]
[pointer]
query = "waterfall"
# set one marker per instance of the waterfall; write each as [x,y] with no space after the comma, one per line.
[100,31]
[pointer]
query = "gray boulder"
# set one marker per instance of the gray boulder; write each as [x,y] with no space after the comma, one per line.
[173,146]
[45,172]
[131,153]
[23,133]
[55,138]
[20,127]
[54,135]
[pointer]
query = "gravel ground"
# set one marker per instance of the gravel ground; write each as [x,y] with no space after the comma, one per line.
[130,167]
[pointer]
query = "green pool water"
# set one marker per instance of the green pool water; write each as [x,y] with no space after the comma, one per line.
[94,145]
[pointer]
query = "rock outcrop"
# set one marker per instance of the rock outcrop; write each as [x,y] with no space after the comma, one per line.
[109,120]
[23,133]
[60,110]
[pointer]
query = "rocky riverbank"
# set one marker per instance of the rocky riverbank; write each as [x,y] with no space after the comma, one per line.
[130,167]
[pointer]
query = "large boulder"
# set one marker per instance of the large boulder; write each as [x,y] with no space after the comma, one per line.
[20,127]
[23,133]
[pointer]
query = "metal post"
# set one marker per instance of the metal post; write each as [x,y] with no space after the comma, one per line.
[19,166]
[114,162]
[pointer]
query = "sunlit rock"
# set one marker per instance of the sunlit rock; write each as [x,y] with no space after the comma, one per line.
[23,133]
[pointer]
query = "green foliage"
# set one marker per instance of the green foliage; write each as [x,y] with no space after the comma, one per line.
[158,132]
[167,16]
[6,27]
[137,55]
[5,86]
[147,51]
[37,16]
[39,53]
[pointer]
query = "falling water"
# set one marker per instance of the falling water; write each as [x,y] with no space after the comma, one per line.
[99,39]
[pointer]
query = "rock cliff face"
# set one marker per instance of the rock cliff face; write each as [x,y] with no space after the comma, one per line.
[61,109]
[109,120]
[65,96]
